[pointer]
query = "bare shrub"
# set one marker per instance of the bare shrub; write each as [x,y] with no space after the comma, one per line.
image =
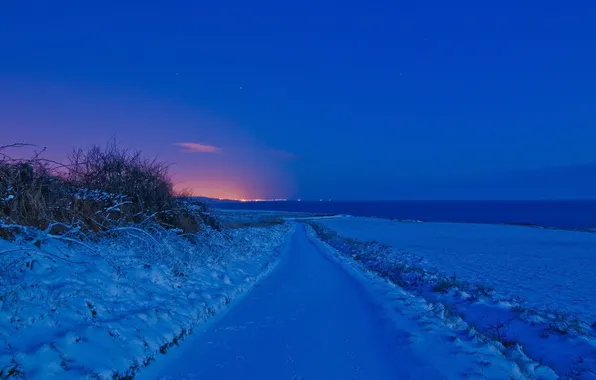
[29,193]
[113,170]
[445,284]
[100,188]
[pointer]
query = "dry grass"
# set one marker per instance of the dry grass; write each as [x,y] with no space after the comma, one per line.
[97,189]
[144,182]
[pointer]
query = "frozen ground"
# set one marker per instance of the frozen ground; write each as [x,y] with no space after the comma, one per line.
[106,309]
[233,218]
[317,316]
[551,269]
[110,307]
[530,289]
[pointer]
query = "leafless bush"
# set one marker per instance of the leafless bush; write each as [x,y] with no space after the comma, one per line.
[120,171]
[29,193]
[498,330]
[97,190]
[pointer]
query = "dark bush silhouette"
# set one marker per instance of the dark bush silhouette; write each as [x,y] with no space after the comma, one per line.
[119,171]
[98,189]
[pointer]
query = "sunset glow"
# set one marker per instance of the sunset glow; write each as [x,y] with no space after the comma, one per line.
[257,108]
[207,155]
[222,192]
[214,189]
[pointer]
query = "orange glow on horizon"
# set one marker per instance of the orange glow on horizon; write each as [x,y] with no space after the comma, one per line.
[233,183]
[217,189]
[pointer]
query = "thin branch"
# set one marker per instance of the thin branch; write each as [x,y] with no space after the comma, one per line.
[36,251]
[15,145]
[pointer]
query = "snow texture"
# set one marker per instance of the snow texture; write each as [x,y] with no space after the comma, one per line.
[549,268]
[318,316]
[526,287]
[105,309]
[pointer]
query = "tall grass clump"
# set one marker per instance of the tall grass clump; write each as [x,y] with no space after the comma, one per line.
[98,189]
[144,182]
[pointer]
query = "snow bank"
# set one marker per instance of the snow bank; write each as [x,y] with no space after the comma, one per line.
[107,308]
[443,339]
[499,279]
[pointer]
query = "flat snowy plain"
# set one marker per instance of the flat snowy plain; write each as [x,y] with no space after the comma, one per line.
[553,269]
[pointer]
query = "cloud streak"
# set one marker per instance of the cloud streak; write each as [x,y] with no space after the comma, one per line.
[282,154]
[190,147]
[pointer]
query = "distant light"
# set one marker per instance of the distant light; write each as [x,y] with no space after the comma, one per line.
[252,200]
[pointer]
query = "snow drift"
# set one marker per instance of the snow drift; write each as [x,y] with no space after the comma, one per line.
[105,308]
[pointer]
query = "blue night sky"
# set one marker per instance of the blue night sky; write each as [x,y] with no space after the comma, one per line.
[315,99]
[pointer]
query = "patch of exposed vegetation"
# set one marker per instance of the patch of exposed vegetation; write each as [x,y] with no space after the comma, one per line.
[98,189]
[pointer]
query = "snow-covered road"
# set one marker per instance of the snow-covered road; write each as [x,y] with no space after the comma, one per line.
[310,319]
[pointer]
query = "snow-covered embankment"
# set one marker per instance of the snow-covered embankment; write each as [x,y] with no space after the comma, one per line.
[107,308]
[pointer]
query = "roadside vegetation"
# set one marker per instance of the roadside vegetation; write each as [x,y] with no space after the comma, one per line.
[96,190]
[101,255]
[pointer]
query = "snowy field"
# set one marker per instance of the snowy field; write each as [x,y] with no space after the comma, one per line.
[106,309]
[551,269]
[235,218]
[529,288]
[518,298]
